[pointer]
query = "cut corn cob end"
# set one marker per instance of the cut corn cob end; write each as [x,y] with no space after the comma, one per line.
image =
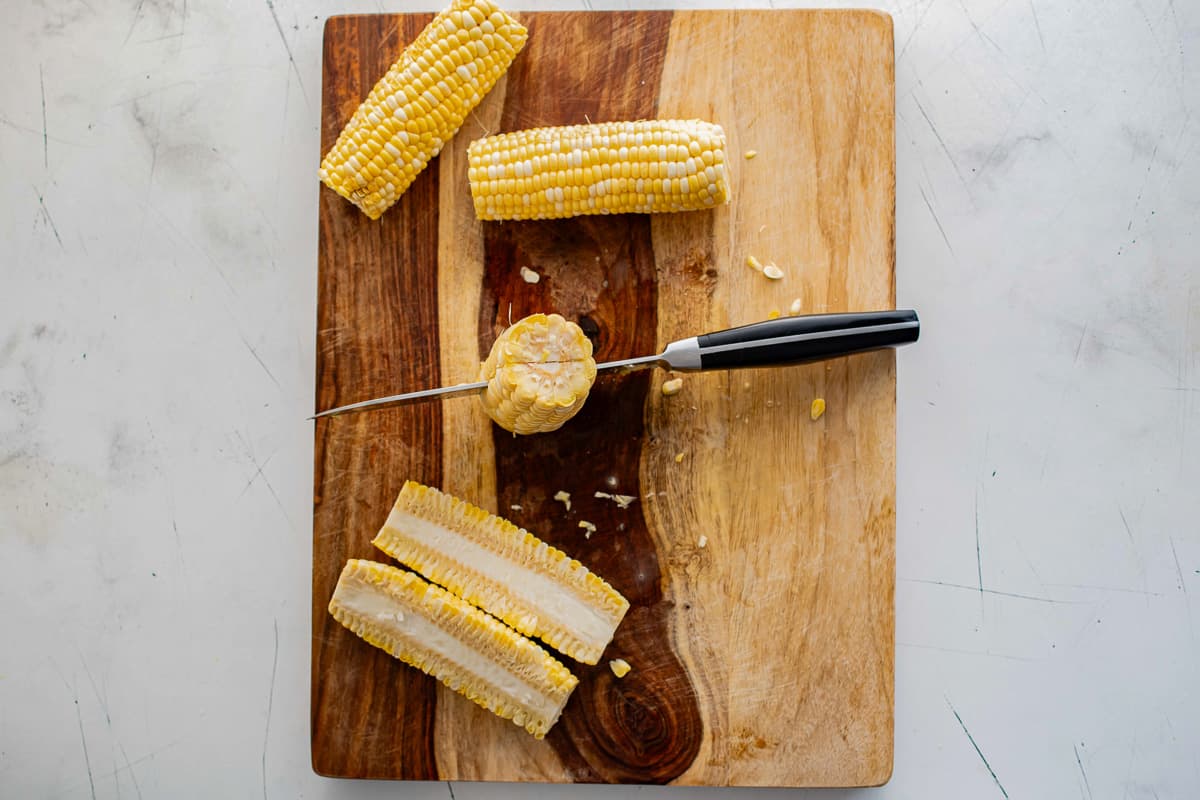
[505,570]
[420,103]
[642,167]
[538,374]
[472,653]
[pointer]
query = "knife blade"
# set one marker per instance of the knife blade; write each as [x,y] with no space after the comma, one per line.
[773,343]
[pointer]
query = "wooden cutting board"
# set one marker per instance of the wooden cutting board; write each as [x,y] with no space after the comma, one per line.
[759,556]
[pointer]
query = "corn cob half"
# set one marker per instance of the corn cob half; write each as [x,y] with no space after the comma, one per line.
[538,374]
[503,569]
[439,634]
[420,103]
[642,167]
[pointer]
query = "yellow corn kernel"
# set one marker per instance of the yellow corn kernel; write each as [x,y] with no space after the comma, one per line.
[641,167]
[749,154]
[503,569]
[754,263]
[472,653]
[818,408]
[620,667]
[538,374]
[773,314]
[420,103]
[672,386]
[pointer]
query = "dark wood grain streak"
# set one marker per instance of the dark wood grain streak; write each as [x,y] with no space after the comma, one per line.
[377,333]
[598,271]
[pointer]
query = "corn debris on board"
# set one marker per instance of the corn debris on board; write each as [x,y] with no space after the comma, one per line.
[644,167]
[538,374]
[503,569]
[472,653]
[420,103]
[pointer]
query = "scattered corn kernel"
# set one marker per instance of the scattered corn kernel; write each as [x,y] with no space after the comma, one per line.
[794,308]
[515,508]
[588,528]
[773,272]
[818,408]
[773,314]
[529,276]
[753,263]
[749,154]
[679,458]
[620,667]
[564,498]
[702,541]
[622,500]
[672,386]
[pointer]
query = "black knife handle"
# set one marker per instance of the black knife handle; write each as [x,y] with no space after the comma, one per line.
[814,337]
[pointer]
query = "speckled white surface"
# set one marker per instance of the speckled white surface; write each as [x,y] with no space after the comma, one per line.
[157,302]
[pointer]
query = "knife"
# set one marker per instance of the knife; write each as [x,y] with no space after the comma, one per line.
[773,343]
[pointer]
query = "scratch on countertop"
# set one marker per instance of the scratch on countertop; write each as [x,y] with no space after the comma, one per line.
[83,739]
[937,222]
[940,141]
[956,650]
[137,12]
[287,47]
[450,789]
[45,133]
[996,592]
[1037,26]
[982,757]
[1082,772]
[258,358]
[270,703]
[978,551]
[1178,571]
[49,219]
[916,28]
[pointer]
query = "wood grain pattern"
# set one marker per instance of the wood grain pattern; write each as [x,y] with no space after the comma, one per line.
[763,658]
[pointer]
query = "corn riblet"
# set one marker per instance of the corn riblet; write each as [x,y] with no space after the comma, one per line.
[644,167]
[503,569]
[538,374]
[439,634]
[420,103]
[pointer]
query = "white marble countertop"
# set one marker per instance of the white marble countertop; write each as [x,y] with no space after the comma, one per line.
[157,302]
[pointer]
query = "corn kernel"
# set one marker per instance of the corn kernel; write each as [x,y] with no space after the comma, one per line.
[818,408]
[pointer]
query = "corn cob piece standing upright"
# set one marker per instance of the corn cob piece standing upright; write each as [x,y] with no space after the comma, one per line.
[538,374]
[420,103]
[504,570]
[643,167]
[439,634]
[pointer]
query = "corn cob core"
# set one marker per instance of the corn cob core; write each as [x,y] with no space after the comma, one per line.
[644,167]
[420,103]
[439,634]
[503,569]
[538,374]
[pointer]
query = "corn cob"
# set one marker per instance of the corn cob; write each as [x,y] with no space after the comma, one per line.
[436,632]
[504,570]
[538,374]
[641,167]
[420,103]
